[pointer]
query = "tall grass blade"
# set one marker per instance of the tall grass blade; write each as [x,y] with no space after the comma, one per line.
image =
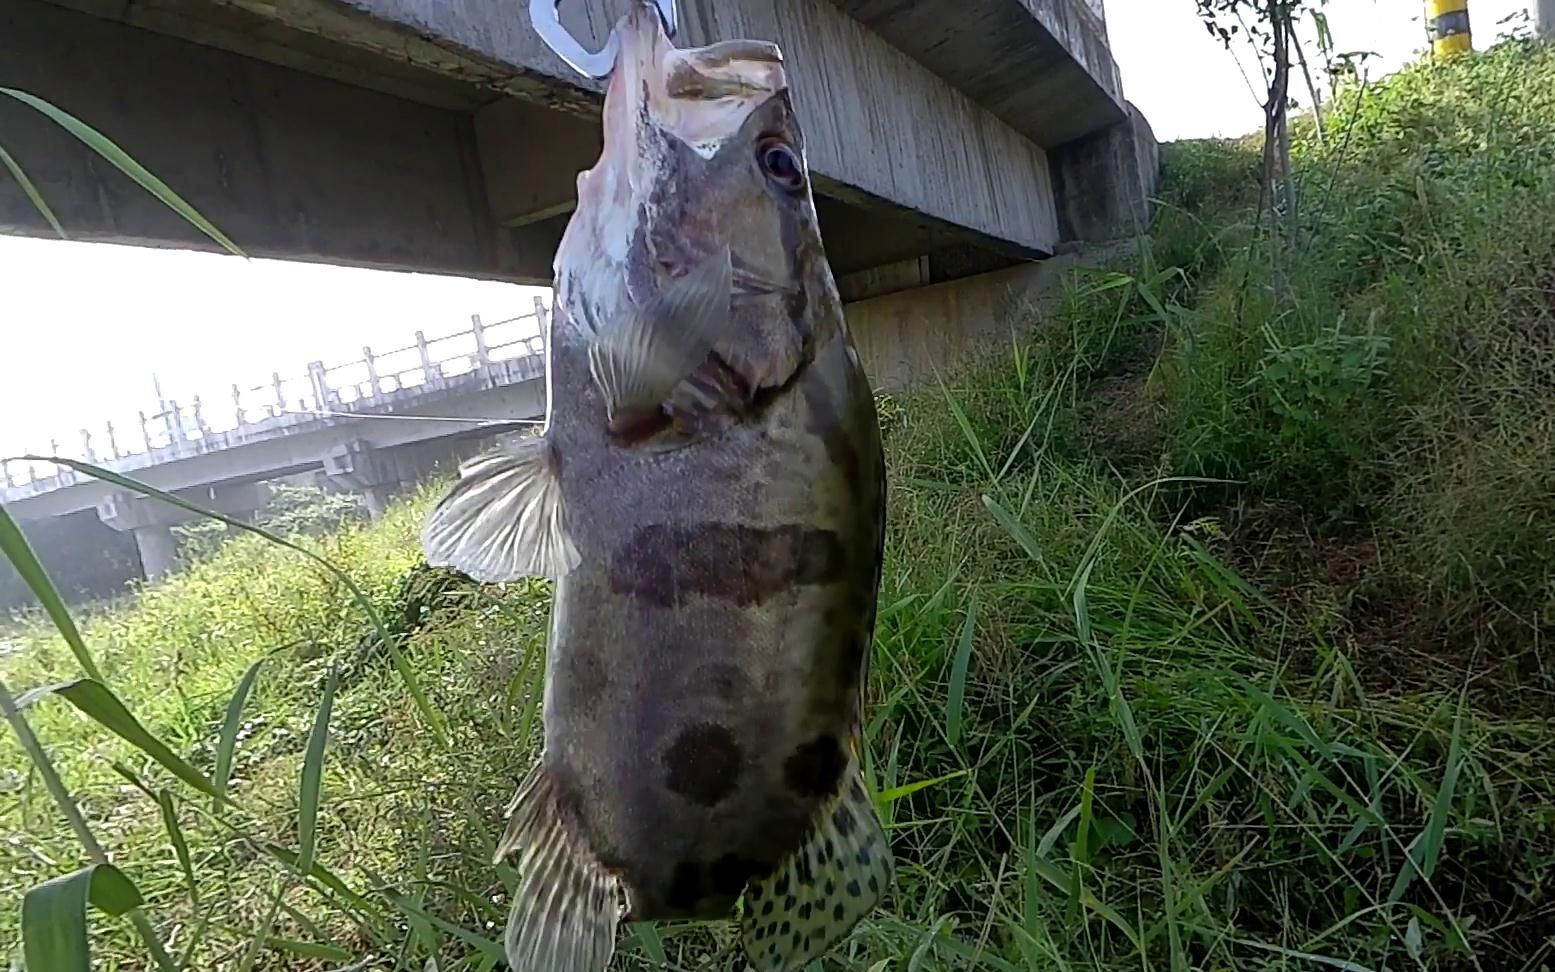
[1425,851]
[33,195]
[20,553]
[956,702]
[1015,528]
[175,834]
[485,946]
[96,702]
[104,146]
[54,936]
[433,717]
[67,806]
[313,776]
[227,743]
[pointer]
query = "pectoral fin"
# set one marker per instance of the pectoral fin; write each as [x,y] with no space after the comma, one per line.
[638,360]
[812,902]
[504,519]
[566,908]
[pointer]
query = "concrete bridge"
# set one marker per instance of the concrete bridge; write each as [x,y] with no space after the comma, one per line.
[957,147]
[950,139]
[372,426]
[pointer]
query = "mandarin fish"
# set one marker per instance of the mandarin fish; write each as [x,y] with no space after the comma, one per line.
[708,496]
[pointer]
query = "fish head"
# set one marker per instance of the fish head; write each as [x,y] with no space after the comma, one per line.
[702,152]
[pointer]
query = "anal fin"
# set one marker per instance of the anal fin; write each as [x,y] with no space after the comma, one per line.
[567,907]
[814,899]
[639,359]
[504,519]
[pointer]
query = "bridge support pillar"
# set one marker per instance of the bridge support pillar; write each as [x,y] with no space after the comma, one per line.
[151,521]
[1104,181]
[158,551]
[374,474]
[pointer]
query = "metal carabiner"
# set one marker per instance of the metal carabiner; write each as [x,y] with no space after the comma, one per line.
[545,15]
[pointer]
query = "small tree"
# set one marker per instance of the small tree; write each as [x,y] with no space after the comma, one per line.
[1269,26]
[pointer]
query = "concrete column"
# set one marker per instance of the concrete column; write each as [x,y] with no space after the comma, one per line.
[378,498]
[1544,19]
[158,551]
[1104,181]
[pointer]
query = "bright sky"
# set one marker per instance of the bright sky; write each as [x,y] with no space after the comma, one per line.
[90,323]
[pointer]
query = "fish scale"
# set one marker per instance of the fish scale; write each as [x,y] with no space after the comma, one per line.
[709,497]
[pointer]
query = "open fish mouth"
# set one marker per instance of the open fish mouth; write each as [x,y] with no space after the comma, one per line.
[700,95]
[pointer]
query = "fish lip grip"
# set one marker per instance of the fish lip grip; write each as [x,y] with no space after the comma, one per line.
[544,15]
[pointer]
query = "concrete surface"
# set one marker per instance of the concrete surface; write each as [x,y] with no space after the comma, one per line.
[1041,66]
[1106,181]
[288,164]
[424,109]
[905,338]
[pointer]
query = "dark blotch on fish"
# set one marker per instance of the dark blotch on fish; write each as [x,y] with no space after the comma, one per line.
[815,767]
[685,885]
[590,677]
[703,763]
[843,818]
[666,564]
[731,872]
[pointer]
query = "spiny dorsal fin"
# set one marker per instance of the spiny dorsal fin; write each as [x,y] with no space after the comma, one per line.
[504,519]
[639,359]
[812,902]
[566,907]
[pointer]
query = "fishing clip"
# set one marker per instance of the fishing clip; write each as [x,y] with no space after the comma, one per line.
[545,16]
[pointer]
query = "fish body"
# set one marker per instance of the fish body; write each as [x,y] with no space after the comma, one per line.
[709,497]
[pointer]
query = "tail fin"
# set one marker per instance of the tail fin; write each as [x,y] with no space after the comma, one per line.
[798,913]
[567,907]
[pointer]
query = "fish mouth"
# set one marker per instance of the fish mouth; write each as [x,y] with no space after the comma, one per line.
[701,95]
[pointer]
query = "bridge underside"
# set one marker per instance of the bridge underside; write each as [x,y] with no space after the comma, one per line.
[414,135]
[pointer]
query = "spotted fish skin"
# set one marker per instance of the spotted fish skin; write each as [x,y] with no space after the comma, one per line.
[709,497]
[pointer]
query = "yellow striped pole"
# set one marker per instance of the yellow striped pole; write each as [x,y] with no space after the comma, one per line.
[1448,21]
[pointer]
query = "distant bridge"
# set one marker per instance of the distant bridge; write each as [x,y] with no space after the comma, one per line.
[352,422]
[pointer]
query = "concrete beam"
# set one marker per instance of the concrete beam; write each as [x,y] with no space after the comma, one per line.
[868,107]
[906,338]
[531,157]
[1042,66]
[1106,180]
[288,164]
[131,511]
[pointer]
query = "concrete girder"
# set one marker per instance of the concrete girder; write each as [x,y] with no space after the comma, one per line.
[420,108]
[1042,66]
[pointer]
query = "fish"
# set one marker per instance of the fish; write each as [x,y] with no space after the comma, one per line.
[708,496]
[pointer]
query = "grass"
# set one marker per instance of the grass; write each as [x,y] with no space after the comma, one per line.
[1212,634]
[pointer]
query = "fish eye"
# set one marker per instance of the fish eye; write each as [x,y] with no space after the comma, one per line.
[780,163]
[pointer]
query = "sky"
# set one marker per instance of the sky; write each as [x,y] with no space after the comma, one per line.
[93,323]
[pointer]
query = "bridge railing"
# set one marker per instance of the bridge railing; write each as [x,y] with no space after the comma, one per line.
[176,428]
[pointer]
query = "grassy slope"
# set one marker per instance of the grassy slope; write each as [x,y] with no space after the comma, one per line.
[1173,724]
